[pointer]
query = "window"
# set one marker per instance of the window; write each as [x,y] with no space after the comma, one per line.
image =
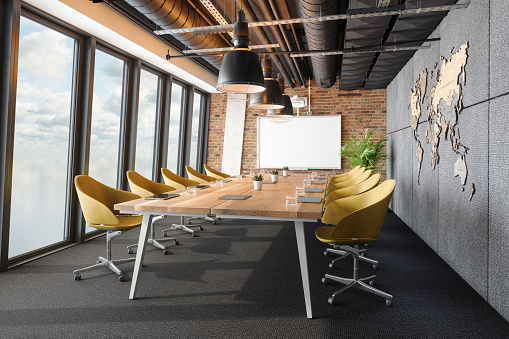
[107,108]
[148,108]
[177,97]
[195,131]
[108,104]
[41,137]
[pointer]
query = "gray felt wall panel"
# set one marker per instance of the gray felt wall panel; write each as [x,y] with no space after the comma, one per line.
[498,282]
[472,25]
[401,153]
[463,224]
[471,236]
[425,195]
[499,31]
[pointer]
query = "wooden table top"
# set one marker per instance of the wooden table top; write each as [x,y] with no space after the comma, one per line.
[269,202]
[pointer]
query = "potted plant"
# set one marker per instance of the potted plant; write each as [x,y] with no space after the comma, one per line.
[285,171]
[257,182]
[274,175]
[364,152]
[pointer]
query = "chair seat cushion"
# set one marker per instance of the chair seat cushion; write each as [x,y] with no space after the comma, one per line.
[323,234]
[125,223]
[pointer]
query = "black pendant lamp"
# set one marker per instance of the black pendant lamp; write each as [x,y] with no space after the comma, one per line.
[272,97]
[240,71]
[286,113]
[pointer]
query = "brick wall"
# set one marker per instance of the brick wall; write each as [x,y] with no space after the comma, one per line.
[358,113]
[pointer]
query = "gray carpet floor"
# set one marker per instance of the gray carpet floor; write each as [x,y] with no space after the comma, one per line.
[241,279]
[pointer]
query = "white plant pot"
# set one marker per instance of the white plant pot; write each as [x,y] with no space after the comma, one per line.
[257,185]
[285,173]
[273,177]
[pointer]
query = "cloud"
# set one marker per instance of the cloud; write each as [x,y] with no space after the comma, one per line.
[46,54]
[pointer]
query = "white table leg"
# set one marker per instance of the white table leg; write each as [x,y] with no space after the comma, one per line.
[140,253]
[301,245]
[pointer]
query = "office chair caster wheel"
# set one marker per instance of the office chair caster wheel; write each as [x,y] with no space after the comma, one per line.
[98,262]
[176,242]
[77,277]
[372,283]
[214,223]
[121,277]
[331,301]
[165,252]
[326,253]
[331,265]
[130,251]
[375,266]
[193,235]
[219,218]
[325,280]
[388,302]
[201,228]
[165,235]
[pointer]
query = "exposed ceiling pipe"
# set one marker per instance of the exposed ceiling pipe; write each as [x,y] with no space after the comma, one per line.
[322,35]
[180,14]
[250,15]
[268,15]
[287,41]
[285,13]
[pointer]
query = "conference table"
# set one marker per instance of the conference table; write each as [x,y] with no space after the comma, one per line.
[266,204]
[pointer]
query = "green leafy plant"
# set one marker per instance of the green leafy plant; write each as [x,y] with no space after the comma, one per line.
[258,177]
[275,172]
[285,168]
[365,151]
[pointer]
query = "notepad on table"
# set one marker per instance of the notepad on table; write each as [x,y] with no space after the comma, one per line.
[316,182]
[313,189]
[202,186]
[309,199]
[234,197]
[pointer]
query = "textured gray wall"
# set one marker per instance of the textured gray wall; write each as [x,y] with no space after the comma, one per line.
[471,236]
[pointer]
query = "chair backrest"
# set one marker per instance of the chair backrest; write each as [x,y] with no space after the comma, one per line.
[350,175]
[347,174]
[197,176]
[360,216]
[215,174]
[173,180]
[354,181]
[145,187]
[97,200]
[362,187]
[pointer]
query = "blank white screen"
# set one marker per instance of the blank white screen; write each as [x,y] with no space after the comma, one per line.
[312,142]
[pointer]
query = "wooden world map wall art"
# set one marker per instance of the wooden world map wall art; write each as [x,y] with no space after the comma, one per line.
[444,108]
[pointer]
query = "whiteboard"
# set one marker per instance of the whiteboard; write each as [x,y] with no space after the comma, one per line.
[308,142]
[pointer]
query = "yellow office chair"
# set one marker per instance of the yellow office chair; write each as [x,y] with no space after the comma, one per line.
[215,174]
[203,179]
[357,220]
[350,191]
[348,177]
[171,179]
[347,174]
[354,181]
[97,201]
[145,188]
[197,176]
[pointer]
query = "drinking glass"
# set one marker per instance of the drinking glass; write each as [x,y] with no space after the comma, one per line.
[191,190]
[299,190]
[291,200]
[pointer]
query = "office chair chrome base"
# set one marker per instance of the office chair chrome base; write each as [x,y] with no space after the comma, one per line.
[209,217]
[344,254]
[106,262]
[365,284]
[183,227]
[154,242]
